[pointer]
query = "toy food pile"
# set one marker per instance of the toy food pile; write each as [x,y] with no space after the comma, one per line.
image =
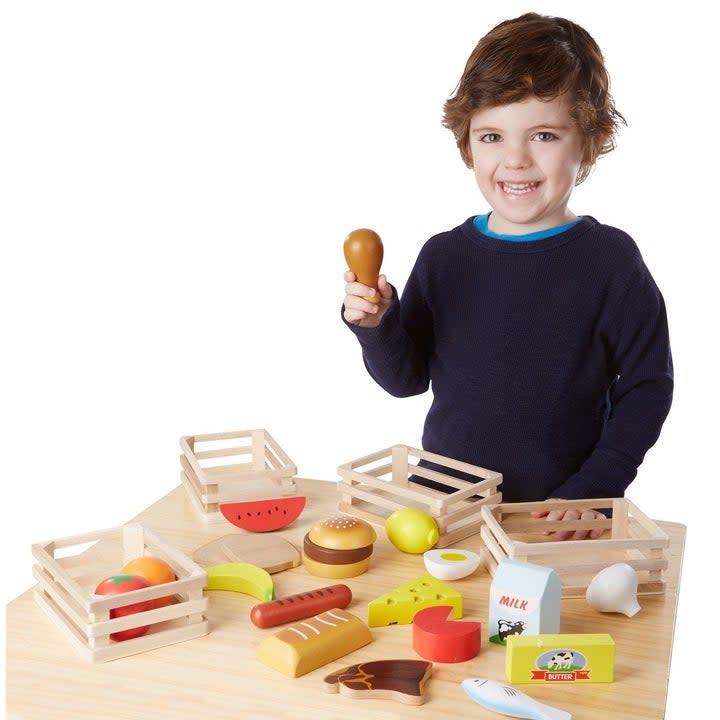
[139,573]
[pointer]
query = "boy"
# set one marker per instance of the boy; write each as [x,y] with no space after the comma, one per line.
[543,333]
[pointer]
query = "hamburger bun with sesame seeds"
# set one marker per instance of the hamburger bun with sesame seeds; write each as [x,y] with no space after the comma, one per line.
[339,547]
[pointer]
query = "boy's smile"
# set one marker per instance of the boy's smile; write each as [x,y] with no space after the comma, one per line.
[526,157]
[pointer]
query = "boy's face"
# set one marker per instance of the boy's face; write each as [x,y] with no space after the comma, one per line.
[526,157]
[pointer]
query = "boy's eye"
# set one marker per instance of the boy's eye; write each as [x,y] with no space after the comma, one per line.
[545,136]
[490,138]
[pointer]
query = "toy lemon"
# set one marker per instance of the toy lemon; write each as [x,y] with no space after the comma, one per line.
[451,564]
[411,530]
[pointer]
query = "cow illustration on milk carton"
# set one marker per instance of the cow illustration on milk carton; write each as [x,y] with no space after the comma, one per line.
[524,599]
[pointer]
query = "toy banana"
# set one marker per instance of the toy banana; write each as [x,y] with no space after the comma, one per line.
[243,578]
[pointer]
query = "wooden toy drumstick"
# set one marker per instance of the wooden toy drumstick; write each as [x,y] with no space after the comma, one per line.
[364,254]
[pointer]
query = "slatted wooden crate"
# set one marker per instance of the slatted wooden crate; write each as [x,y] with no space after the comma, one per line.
[65,590]
[374,486]
[211,474]
[629,537]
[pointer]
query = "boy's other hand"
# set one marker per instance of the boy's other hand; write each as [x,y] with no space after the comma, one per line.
[571,514]
[358,310]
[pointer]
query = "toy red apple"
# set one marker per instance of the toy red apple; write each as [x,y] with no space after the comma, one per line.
[116,584]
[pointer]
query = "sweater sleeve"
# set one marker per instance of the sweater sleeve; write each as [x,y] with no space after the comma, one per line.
[639,352]
[397,352]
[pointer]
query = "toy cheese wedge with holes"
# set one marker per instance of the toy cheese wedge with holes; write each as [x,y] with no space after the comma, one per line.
[400,605]
[566,658]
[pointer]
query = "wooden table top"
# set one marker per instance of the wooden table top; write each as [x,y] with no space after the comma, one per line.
[218,676]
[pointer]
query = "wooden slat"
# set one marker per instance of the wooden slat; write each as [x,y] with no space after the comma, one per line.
[461,533]
[374,498]
[380,470]
[223,452]
[485,486]
[258,450]
[471,508]
[542,525]
[620,519]
[399,465]
[439,477]
[205,510]
[189,454]
[645,522]
[492,545]
[270,440]
[203,492]
[566,547]
[65,601]
[366,460]
[359,512]
[545,505]
[456,464]
[209,437]
[413,493]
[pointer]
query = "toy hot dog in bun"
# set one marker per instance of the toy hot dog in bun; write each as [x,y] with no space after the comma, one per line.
[303,605]
[339,547]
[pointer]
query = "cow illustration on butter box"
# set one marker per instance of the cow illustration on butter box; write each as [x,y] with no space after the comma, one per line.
[569,658]
[524,599]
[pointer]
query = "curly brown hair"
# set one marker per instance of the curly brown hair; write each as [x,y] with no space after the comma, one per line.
[545,57]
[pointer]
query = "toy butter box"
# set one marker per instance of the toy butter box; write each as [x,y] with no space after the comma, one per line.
[568,658]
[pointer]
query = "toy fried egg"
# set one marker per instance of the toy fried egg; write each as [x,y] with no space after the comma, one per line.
[451,563]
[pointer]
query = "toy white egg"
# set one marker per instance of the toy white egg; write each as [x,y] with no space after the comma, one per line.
[451,563]
[614,589]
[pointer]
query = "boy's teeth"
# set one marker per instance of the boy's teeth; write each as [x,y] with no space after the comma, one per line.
[518,187]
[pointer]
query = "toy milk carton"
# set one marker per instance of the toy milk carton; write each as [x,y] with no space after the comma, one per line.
[569,658]
[524,599]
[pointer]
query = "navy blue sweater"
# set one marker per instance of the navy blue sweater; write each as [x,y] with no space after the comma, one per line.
[549,360]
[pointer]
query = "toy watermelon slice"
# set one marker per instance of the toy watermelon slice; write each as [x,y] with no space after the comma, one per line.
[264,515]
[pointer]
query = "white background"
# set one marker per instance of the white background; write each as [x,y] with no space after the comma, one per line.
[177,180]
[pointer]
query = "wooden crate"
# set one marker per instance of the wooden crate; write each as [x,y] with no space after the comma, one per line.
[211,476]
[629,537]
[65,588]
[376,485]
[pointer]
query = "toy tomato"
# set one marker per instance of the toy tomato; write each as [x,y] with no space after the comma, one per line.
[116,584]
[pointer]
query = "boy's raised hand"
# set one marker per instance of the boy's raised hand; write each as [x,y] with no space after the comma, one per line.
[358,310]
[571,514]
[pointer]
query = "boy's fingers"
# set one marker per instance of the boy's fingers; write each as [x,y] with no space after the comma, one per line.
[353,316]
[571,514]
[349,276]
[585,514]
[384,287]
[357,303]
[356,288]
[563,515]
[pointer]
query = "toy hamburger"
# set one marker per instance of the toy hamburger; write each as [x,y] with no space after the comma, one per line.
[339,547]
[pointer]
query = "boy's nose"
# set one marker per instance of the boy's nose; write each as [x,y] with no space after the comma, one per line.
[517,156]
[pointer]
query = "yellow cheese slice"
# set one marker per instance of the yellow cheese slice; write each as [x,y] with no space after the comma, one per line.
[400,605]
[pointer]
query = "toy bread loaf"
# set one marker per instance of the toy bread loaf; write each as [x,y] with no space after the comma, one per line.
[307,645]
